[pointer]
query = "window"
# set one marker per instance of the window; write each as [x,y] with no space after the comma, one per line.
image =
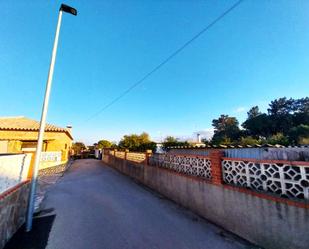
[28,146]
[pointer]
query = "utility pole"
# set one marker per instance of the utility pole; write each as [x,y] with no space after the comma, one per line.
[30,211]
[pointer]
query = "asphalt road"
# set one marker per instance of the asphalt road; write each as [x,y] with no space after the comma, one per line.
[97,207]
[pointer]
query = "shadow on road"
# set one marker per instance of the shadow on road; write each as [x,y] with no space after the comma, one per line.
[36,239]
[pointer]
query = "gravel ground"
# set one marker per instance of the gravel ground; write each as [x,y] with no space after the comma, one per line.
[44,183]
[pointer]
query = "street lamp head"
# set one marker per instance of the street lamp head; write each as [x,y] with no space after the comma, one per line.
[68,9]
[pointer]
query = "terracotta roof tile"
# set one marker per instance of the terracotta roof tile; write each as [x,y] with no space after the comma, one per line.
[25,124]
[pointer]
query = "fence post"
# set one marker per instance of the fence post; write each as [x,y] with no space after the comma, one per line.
[216,166]
[126,151]
[114,159]
[147,154]
[125,154]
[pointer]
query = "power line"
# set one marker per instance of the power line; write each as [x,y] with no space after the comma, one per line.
[221,16]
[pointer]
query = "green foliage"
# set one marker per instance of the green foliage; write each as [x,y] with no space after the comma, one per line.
[278,138]
[148,146]
[248,141]
[78,147]
[226,130]
[170,141]
[301,105]
[258,126]
[301,118]
[253,112]
[281,122]
[206,141]
[288,113]
[105,144]
[281,106]
[136,142]
[299,134]
[221,140]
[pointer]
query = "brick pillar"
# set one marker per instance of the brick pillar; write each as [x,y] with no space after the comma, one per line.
[126,151]
[114,157]
[216,167]
[148,154]
[125,154]
[102,154]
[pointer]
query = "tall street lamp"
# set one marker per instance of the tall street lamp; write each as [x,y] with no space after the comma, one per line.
[68,9]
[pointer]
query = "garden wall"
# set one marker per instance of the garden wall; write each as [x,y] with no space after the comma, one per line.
[13,207]
[199,183]
[13,170]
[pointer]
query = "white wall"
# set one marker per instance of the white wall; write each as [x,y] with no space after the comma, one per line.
[13,170]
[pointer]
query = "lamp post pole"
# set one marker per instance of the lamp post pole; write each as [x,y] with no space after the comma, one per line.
[35,169]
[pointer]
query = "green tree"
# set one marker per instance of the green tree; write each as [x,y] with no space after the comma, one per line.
[130,142]
[304,105]
[136,142]
[301,112]
[249,141]
[104,144]
[226,130]
[259,126]
[285,121]
[144,138]
[78,147]
[253,112]
[278,138]
[171,141]
[281,106]
[281,115]
[206,141]
[299,134]
[148,146]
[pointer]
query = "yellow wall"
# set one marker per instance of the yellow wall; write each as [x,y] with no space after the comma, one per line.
[56,141]
[14,145]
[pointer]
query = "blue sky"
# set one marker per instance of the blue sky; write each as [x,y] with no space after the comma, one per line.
[257,53]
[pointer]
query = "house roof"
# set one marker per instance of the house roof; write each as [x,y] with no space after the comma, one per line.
[26,124]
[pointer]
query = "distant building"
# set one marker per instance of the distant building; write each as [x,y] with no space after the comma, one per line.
[159,148]
[196,144]
[20,134]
